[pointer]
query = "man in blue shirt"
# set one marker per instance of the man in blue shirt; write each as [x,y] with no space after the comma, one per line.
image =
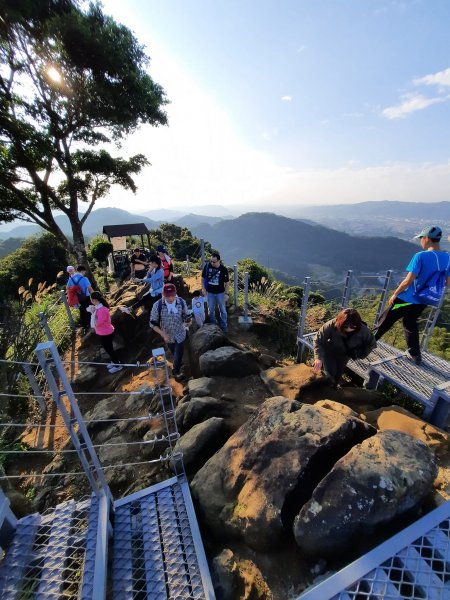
[404,303]
[79,278]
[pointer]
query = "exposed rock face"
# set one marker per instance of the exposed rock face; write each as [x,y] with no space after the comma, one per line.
[200,387]
[208,337]
[269,468]
[198,409]
[200,442]
[286,381]
[236,578]
[229,362]
[395,417]
[333,405]
[378,480]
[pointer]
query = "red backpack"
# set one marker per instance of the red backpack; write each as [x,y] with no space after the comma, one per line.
[74,292]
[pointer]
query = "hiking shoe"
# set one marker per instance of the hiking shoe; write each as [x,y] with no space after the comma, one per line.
[417,360]
[179,377]
[110,365]
[115,368]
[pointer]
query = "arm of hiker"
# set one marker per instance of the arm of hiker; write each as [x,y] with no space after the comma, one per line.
[409,279]
[227,282]
[319,350]
[162,333]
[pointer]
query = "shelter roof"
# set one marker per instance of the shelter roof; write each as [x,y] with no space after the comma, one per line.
[127,229]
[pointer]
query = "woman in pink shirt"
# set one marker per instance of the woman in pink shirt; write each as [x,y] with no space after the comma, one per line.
[101,321]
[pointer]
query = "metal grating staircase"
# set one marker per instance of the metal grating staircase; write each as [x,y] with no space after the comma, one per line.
[414,564]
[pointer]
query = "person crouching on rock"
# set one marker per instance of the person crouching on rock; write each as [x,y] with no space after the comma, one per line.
[168,318]
[104,329]
[339,340]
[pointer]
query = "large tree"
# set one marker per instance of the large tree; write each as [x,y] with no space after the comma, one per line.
[72,83]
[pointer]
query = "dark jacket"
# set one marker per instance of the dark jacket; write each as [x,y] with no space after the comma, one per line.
[330,341]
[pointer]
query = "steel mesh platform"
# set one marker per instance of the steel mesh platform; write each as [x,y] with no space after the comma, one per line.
[157,549]
[49,556]
[414,564]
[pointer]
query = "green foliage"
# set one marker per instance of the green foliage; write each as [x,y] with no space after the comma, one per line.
[9,245]
[100,249]
[179,241]
[256,272]
[5,445]
[39,258]
[86,84]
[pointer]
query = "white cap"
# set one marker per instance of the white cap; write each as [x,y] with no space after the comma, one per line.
[70,269]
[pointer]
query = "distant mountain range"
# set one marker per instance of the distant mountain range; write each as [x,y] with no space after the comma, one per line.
[297,248]
[113,216]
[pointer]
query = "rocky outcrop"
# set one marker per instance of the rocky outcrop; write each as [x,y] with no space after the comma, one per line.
[198,409]
[378,480]
[228,362]
[286,381]
[208,337]
[235,578]
[200,442]
[337,406]
[270,467]
[202,386]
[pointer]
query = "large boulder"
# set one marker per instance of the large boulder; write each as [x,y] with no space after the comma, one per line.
[270,467]
[229,362]
[235,577]
[286,381]
[198,409]
[200,387]
[378,480]
[208,337]
[200,442]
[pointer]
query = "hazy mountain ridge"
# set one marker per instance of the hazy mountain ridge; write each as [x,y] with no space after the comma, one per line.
[300,249]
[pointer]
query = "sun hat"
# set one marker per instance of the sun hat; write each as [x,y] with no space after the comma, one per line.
[430,231]
[169,290]
[70,269]
[161,248]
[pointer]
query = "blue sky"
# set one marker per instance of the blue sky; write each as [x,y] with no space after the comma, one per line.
[295,102]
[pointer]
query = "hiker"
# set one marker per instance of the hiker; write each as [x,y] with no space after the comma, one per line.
[168,318]
[71,289]
[215,281]
[155,278]
[138,262]
[80,294]
[166,262]
[337,341]
[104,329]
[198,307]
[428,272]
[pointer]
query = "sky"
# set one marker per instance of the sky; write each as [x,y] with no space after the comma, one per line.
[293,102]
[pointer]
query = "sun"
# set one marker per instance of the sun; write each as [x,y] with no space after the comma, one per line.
[54,74]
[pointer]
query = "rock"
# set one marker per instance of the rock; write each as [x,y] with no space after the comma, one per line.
[341,408]
[395,417]
[141,400]
[86,378]
[109,408]
[236,578]
[200,387]
[286,381]
[208,337]
[267,361]
[199,409]
[201,442]
[378,480]
[115,452]
[228,362]
[270,467]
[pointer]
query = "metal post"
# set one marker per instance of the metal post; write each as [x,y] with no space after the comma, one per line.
[45,326]
[387,281]
[67,307]
[188,266]
[346,292]
[81,440]
[34,386]
[430,324]
[302,320]
[202,252]
[236,284]
[245,296]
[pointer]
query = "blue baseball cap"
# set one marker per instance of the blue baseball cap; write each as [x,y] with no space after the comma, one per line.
[431,231]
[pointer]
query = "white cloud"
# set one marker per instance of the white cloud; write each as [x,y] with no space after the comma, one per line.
[300,49]
[287,98]
[441,78]
[411,104]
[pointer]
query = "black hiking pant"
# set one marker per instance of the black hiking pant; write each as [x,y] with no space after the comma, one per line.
[410,314]
[107,343]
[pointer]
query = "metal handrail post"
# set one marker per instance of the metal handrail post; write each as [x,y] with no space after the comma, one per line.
[67,307]
[34,386]
[302,319]
[188,266]
[346,292]
[81,440]
[246,295]
[45,326]
[382,302]
[430,324]
[236,285]
[202,252]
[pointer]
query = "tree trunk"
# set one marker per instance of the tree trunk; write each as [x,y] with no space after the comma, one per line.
[79,249]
